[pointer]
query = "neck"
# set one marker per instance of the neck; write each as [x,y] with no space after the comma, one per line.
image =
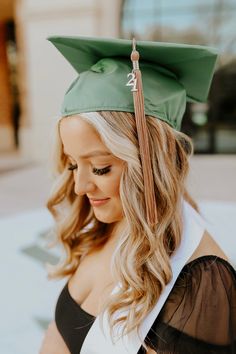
[116,231]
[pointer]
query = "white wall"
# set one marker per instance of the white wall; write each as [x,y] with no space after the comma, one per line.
[46,72]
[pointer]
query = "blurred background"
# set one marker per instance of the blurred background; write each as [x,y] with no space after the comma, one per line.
[33,79]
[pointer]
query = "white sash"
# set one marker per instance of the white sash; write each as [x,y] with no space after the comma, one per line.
[98,340]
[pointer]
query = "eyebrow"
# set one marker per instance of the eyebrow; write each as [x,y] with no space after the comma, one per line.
[92,154]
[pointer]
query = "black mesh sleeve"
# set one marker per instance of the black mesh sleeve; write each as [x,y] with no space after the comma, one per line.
[199,316]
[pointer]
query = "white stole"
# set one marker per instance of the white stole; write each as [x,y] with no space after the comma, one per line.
[99,341]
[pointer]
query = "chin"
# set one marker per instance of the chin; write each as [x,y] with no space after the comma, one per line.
[107,219]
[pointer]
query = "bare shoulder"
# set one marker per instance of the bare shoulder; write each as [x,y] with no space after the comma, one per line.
[208,246]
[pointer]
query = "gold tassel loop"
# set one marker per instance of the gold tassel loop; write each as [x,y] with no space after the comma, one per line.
[136,83]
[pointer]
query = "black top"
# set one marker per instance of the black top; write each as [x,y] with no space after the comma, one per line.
[198,317]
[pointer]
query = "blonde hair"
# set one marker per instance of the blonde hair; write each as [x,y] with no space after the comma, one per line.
[142,259]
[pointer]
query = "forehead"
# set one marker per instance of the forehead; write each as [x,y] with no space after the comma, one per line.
[79,137]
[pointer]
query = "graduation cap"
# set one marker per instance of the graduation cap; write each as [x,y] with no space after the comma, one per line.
[171,75]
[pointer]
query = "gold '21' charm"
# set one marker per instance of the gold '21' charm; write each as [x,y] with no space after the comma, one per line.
[132,82]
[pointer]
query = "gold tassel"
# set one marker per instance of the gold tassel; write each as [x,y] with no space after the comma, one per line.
[136,83]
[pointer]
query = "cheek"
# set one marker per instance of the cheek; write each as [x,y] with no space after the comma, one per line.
[110,185]
[113,187]
[113,211]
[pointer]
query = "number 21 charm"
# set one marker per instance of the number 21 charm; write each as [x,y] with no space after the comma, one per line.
[132,82]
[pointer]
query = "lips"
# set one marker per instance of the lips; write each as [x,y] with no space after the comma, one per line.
[97,201]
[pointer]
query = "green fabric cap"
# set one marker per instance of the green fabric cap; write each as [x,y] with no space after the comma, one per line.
[171,74]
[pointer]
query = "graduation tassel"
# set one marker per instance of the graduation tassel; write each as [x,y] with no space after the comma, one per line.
[136,83]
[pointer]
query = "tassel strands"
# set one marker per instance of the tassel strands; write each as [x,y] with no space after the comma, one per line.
[136,83]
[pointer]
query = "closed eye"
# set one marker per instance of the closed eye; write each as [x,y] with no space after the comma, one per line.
[96,171]
[101,171]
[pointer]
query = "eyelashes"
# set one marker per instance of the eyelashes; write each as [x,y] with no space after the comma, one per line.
[96,171]
[101,171]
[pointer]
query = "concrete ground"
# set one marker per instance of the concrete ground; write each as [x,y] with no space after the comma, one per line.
[27,297]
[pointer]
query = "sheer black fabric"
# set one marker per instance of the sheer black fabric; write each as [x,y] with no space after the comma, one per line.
[198,317]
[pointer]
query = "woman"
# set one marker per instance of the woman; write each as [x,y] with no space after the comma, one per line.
[138,256]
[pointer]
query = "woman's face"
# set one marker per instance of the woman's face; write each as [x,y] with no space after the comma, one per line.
[96,171]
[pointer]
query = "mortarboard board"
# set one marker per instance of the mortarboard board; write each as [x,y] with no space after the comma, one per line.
[171,73]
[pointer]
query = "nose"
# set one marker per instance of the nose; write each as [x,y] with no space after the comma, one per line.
[82,184]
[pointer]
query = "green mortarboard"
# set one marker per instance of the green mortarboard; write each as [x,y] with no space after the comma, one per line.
[171,74]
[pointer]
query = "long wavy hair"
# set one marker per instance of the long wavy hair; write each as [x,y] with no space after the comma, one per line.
[141,262]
